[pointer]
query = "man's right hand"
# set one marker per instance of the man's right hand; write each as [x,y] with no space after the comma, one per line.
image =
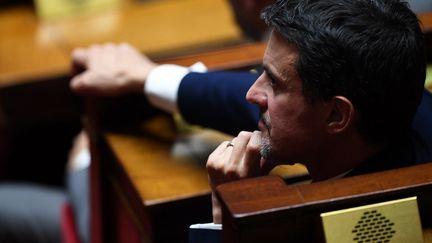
[110,70]
[232,161]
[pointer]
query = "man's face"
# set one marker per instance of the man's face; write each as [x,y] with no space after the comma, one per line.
[292,129]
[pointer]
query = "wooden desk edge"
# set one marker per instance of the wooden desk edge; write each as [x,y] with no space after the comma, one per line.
[241,55]
[242,201]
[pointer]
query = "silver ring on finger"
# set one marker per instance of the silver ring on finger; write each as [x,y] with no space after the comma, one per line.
[230,144]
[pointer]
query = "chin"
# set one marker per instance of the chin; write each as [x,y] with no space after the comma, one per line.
[267,164]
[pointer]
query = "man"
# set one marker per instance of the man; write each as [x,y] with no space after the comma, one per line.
[341,85]
[354,91]
[346,116]
[338,96]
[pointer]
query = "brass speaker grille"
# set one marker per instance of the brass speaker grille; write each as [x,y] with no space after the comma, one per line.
[395,221]
[373,227]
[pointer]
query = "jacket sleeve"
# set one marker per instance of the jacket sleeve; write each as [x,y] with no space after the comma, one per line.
[218,100]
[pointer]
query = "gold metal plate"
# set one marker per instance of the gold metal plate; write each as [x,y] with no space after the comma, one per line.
[392,221]
[58,9]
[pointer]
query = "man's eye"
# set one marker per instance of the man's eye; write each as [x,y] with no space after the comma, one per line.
[271,80]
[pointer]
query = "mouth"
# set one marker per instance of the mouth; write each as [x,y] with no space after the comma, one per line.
[264,124]
[261,126]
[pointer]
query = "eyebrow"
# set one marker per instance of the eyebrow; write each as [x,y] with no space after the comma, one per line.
[269,72]
[284,80]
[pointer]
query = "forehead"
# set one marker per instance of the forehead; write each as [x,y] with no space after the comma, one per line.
[281,56]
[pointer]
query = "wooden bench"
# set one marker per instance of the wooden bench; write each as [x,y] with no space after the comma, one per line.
[266,209]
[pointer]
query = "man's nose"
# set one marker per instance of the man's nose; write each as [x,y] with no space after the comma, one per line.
[257,95]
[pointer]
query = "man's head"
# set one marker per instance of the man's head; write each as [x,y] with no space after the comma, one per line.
[335,69]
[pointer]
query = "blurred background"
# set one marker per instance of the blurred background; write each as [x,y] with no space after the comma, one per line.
[39,115]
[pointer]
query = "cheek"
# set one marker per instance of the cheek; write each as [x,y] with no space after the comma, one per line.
[291,132]
[284,116]
[283,123]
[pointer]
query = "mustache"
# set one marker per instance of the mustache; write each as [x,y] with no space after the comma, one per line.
[266,120]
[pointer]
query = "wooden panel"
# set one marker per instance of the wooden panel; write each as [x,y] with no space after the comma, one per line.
[426,20]
[32,50]
[237,57]
[24,52]
[155,26]
[157,190]
[156,175]
[267,207]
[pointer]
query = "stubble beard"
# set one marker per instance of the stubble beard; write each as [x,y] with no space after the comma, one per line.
[267,162]
[266,146]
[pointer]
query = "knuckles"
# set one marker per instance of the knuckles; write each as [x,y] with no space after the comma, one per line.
[244,135]
[253,148]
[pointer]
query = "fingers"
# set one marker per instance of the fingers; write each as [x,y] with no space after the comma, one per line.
[94,83]
[81,83]
[234,162]
[217,162]
[86,57]
[110,70]
[252,156]
[236,165]
[79,56]
[229,163]
[247,155]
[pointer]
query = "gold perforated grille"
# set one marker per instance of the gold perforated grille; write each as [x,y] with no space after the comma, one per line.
[373,227]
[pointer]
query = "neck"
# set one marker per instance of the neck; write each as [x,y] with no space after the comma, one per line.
[340,157]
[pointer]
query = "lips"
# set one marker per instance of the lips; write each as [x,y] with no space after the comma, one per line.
[264,123]
[262,127]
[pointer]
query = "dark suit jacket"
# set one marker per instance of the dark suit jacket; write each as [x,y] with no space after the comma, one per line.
[217,100]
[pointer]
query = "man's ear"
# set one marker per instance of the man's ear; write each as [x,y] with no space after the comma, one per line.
[341,115]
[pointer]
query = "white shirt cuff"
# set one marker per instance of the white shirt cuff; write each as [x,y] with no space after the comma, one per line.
[163,82]
[81,161]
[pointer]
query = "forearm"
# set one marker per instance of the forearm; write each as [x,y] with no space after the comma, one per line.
[217,100]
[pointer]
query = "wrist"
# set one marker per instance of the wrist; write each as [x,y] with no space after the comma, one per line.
[138,81]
